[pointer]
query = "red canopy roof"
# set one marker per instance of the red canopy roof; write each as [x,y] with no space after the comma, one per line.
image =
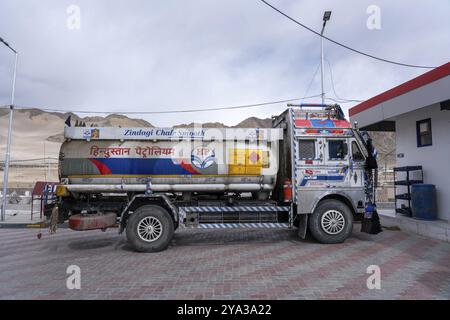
[420,81]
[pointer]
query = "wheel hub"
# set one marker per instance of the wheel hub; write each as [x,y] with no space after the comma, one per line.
[332,222]
[149,229]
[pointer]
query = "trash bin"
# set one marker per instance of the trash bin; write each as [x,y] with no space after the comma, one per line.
[423,201]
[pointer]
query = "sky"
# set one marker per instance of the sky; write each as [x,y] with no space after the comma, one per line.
[149,55]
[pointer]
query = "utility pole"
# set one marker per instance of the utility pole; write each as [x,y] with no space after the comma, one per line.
[8,142]
[326,17]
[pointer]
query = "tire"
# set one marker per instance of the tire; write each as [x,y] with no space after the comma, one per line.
[145,239]
[331,222]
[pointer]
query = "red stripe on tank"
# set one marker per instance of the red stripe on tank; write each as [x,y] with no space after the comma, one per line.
[188,167]
[101,166]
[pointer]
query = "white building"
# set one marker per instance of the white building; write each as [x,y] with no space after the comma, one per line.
[419,112]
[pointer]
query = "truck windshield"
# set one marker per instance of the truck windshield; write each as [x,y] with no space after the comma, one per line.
[337,149]
[307,149]
[356,152]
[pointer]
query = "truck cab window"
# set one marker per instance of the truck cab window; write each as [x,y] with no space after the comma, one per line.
[307,149]
[356,152]
[337,149]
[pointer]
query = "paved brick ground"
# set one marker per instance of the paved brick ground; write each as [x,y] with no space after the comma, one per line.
[222,264]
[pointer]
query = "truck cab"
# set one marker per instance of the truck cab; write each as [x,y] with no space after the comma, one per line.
[328,166]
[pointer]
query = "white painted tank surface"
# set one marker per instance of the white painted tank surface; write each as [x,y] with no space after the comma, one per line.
[182,159]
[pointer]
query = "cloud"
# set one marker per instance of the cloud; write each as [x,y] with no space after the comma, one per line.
[162,55]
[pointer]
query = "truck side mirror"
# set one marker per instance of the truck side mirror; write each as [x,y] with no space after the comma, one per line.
[345,149]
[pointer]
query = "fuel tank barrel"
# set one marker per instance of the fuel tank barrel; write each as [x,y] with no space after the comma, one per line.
[81,222]
[228,158]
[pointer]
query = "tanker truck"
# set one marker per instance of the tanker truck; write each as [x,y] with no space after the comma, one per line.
[312,171]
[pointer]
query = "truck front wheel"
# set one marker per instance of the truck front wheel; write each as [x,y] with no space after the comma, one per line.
[150,229]
[331,222]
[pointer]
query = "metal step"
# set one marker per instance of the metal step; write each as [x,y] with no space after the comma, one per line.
[407,168]
[407,182]
[242,225]
[255,209]
[404,196]
[405,211]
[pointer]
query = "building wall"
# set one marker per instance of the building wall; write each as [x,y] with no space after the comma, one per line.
[435,159]
[426,95]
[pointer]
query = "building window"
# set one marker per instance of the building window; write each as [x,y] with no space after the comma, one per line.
[307,150]
[424,136]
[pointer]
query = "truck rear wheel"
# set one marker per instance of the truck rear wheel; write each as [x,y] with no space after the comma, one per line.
[150,229]
[331,222]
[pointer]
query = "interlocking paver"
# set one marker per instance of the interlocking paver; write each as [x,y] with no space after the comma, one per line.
[222,264]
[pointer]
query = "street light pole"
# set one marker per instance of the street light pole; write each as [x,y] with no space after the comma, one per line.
[326,17]
[8,143]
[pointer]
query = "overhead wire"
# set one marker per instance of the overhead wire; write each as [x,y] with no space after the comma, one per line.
[187,110]
[333,87]
[312,80]
[341,44]
[29,160]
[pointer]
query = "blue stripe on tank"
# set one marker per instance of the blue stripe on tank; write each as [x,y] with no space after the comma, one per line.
[141,166]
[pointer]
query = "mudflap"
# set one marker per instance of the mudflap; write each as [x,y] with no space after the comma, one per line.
[302,225]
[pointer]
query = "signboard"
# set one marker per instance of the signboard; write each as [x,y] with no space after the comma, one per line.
[217,134]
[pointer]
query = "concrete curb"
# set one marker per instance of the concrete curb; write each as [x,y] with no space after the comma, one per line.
[437,229]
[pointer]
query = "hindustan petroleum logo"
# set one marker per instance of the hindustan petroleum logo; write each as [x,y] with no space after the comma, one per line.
[91,134]
[203,157]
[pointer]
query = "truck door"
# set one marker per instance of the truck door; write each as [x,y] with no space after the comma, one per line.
[309,161]
[357,163]
[337,162]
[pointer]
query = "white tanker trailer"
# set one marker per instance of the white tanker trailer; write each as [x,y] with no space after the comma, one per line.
[312,170]
[208,160]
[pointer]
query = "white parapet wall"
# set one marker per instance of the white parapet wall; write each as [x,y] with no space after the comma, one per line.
[435,159]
